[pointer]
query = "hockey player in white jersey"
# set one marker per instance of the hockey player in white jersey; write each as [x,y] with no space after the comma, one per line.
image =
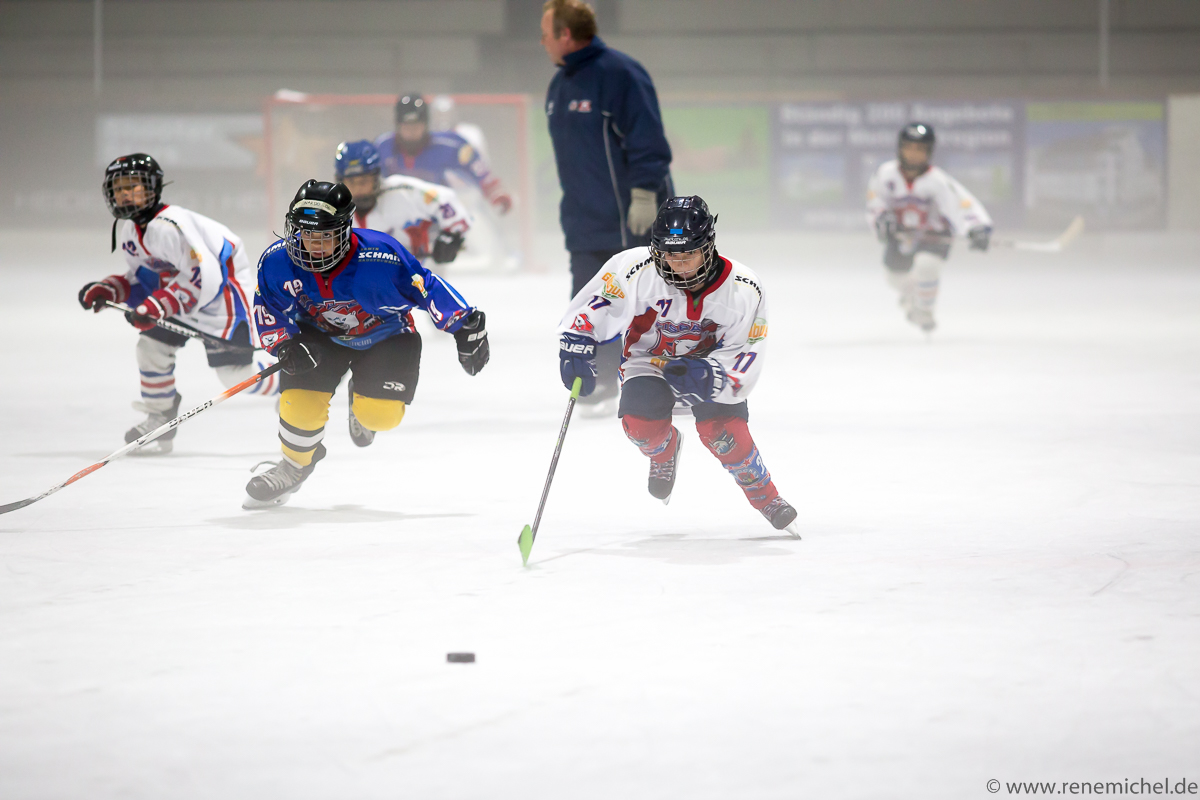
[917,210]
[693,328]
[179,265]
[426,218]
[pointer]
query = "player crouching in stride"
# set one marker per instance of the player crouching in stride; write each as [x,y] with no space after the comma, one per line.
[694,328]
[180,266]
[916,210]
[332,299]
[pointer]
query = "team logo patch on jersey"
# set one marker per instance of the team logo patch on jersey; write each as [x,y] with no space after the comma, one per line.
[419,283]
[429,196]
[465,154]
[758,331]
[270,339]
[611,289]
[701,335]
[582,324]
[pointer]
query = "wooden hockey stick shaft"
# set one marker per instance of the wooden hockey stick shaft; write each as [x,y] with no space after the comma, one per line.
[149,437]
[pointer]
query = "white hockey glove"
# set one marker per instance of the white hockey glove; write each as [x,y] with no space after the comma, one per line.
[642,211]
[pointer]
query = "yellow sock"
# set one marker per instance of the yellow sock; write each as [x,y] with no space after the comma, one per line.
[302,417]
[375,414]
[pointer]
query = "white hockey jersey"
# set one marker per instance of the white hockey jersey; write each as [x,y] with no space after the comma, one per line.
[414,212]
[933,203]
[199,261]
[726,323]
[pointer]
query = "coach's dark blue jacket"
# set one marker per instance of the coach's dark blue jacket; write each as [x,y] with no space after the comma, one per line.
[608,137]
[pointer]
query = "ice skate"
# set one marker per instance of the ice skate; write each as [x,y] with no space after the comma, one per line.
[154,419]
[281,481]
[782,516]
[358,434]
[923,319]
[662,473]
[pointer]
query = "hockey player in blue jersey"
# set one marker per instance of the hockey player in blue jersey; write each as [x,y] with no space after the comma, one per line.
[334,299]
[412,149]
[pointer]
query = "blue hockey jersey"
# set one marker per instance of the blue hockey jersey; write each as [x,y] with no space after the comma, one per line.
[367,298]
[446,153]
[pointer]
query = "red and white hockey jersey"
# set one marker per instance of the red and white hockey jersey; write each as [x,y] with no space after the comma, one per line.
[934,202]
[198,262]
[655,321]
[414,212]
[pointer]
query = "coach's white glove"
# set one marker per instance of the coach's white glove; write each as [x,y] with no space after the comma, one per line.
[642,211]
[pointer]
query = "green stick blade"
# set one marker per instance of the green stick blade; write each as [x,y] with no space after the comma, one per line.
[525,542]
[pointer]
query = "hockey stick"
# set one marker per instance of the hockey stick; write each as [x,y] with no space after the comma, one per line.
[525,540]
[180,328]
[149,437]
[1056,245]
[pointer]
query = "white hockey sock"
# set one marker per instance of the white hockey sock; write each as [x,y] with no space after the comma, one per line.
[231,376]
[156,366]
[926,274]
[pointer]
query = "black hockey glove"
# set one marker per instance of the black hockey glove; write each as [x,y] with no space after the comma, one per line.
[472,343]
[577,359]
[297,355]
[980,238]
[446,246]
[886,226]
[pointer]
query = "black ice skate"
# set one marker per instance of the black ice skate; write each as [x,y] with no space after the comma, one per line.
[276,485]
[154,419]
[358,434]
[662,473]
[781,516]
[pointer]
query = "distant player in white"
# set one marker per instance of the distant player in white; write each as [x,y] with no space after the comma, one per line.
[916,210]
[182,266]
[693,328]
[426,218]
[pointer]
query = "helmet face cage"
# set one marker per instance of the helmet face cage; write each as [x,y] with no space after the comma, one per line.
[709,249]
[297,230]
[132,170]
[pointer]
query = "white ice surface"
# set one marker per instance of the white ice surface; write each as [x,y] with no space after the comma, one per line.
[999,575]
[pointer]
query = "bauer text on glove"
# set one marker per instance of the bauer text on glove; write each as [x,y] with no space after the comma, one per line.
[577,359]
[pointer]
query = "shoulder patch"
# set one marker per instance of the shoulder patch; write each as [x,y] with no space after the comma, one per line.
[758,331]
[465,154]
[612,289]
[636,268]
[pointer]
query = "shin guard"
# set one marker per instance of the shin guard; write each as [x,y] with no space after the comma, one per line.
[302,417]
[654,437]
[729,439]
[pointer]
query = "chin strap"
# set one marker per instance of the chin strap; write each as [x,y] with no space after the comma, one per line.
[114,236]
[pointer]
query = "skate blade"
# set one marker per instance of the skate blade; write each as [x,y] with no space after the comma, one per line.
[794,530]
[250,504]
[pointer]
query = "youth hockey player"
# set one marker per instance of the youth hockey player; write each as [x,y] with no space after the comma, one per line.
[916,210]
[693,326]
[428,219]
[182,266]
[411,149]
[334,299]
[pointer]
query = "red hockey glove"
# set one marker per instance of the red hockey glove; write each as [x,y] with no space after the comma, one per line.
[159,305]
[114,289]
[503,203]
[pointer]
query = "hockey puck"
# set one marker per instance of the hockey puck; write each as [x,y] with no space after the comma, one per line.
[460,658]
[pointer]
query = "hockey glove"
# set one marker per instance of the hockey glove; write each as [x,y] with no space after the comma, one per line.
[297,356]
[642,211]
[446,246]
[577,359]
[980,238]
[692,380]
[113,289]
[886,226]
[472,343]
[158,305]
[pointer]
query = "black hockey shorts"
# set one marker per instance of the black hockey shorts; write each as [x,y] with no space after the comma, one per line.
[385,371]
[895,261]
[236,353]
[651,398]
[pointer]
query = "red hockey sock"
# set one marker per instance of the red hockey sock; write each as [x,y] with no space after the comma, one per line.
[656,438]
[729,439]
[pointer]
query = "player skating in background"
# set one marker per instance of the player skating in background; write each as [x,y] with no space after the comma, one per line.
[916,210]
[179,265]
[334,299]
[436,156]
[693,326]
[426,218]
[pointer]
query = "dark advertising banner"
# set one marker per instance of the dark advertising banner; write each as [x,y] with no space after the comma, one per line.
[826,152]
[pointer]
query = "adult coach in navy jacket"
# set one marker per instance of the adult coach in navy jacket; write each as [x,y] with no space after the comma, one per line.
[612,155]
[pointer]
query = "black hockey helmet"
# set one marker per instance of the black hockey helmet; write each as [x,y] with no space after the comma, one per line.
[317,232]
[411,107]
[135,169]
[916,132]
[683,225]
